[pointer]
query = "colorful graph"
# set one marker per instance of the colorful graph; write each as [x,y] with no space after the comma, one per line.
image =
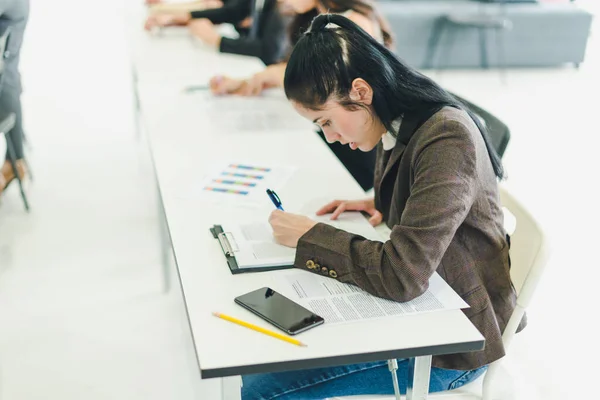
[239,175]
[241,183]
[249,167]
[223,190]
[230,182]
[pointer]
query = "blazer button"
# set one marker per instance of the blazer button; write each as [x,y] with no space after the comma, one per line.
[324,270]
[333,274]
[310,264]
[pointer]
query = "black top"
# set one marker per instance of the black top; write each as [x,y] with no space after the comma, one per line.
[269,42]
[232,12]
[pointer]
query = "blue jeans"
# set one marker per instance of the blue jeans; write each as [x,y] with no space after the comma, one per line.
[348,380]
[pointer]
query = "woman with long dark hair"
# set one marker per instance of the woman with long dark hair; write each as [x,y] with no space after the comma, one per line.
[436,188]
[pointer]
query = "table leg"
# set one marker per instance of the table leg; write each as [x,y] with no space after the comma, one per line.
[419,369]
[393,367]
[165,242]
[136,104]
[231,388]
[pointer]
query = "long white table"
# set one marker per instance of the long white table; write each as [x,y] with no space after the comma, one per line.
[186,139]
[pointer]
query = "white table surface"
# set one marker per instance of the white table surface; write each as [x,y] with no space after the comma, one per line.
[184,143]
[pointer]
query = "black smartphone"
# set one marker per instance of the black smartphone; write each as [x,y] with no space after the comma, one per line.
[280,311]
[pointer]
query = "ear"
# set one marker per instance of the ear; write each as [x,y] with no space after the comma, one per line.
[361,92]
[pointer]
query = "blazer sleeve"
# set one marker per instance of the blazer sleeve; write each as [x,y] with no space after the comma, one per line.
[232,12]
[445,179]
[270,44]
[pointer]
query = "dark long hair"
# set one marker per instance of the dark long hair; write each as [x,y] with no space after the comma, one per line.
[326,60]
[301,22]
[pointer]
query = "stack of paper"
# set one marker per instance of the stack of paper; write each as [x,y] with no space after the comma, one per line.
[339,302]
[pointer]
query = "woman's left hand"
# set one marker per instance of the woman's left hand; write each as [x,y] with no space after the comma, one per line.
[205,31]
[288,228]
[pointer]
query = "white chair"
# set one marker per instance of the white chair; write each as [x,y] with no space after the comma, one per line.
[528,252]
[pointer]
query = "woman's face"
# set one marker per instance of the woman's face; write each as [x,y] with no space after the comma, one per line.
[301,6]
[359,128]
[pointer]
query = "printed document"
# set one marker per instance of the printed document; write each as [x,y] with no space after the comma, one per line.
[338,302]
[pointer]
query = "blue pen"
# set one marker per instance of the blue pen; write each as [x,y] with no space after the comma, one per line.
[275,199]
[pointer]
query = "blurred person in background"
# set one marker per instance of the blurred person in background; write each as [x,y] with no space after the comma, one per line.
[262,28]
[13,15]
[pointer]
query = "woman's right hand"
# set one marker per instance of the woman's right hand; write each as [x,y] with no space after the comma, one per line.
[220,85]
[337,207]
[166,19]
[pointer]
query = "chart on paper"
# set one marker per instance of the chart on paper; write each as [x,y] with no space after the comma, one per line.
[243,184]
[338,302]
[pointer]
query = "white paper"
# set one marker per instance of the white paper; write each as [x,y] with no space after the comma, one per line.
[339,302]
[254,246]
[351,221]
[249,114]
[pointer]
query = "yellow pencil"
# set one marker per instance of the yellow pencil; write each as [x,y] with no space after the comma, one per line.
[259,329]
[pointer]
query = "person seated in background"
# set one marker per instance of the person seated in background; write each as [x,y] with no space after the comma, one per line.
[436,189]
[360,165]
[14,15]
[192,4]
[265,38]
[361,12]
[175,14]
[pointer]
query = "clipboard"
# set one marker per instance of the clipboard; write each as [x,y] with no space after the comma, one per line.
[229,248]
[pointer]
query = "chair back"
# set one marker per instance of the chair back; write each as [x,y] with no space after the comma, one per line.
[529,249]
[529,252]
[498,132]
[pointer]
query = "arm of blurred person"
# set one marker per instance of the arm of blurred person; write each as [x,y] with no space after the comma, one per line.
[270,77]
[197,3]
[232,11]
[269,43]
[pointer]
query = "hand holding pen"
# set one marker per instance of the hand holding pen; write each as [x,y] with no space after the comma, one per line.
[288,228]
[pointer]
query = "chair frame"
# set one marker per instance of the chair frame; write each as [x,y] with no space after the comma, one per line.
[525,285]
[494,125]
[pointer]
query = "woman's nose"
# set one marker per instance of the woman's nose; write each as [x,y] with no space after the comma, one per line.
[331,136]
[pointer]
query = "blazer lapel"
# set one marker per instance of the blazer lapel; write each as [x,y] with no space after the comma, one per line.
[410,124]
[407,128]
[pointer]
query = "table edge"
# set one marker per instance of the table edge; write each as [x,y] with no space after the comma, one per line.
[341,360]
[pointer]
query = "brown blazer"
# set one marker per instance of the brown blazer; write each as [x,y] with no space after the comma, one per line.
[439,195]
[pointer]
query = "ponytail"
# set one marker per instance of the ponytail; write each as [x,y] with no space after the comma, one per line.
[335,51]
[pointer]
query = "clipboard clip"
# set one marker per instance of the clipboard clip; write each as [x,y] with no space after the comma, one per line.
[226,243]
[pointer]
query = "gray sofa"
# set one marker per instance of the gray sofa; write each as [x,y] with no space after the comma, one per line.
[542,34]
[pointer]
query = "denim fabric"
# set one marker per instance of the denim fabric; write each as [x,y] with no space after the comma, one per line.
[356,379]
